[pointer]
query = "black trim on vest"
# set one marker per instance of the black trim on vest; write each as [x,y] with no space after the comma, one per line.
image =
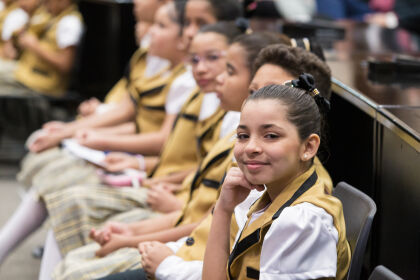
[152,91]
[198,173]
[252,273]
[211,183]
[189,117]
[210,128]
[40,71]
[175,122]
[254,237]
[154,108]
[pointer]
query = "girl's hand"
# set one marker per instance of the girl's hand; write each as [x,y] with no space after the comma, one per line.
[152,254]
[27,41]
[235,189]
[88,107]
[161,200]
[89,138]
[115,162]
[103,235]
[116,241]
[54,126]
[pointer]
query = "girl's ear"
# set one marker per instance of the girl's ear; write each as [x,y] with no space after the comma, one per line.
[181,45]
[310,147]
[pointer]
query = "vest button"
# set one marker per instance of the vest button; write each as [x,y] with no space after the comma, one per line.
[190,241]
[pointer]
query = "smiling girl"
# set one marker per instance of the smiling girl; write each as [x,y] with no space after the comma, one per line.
[294,228]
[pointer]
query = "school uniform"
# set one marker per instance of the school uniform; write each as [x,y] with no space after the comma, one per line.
[32,73]
[203,188]
[302,217]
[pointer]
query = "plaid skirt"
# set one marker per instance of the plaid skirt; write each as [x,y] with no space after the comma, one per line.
[75,210]
[32,163]
[82,264]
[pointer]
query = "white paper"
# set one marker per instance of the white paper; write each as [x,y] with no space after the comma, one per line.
[94,156]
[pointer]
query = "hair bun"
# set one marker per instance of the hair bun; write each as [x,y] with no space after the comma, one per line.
[242,24]
[307,82]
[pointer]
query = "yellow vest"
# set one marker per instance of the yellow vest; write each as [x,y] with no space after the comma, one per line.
[179,153]
[205,184]
[136,68]
[149,95]
[39,21]
[244,260]
[37,74]
[207,135]
[195,246]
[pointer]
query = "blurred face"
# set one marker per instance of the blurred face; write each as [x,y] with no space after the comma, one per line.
[164,35]
[232,84]
[145,10]
[197,14]
[207,57]
[29,5]
[269,74]
[57,6]
[268,148]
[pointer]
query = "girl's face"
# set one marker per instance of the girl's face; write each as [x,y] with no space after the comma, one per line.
[56,6]
[208,59]
[268,147]
[269,74]
[197,14]
[232,84]
[164,35]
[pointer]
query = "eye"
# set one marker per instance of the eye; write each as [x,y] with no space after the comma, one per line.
[242,136]
[251,91]
[212,57]
[271,136]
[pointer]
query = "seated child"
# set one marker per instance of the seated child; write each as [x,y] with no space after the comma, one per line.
[293,228]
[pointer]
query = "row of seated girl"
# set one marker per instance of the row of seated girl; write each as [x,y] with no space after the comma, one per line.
[275,148]
[38,46]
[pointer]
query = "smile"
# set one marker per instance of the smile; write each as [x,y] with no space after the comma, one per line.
[254,165]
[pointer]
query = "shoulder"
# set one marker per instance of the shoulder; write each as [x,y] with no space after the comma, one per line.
[70,22]
[303,239]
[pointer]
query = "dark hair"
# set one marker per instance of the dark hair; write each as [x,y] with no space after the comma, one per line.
[297,61]
[180,10]
[228,29]
[302,109]
[226,10]
[253,43]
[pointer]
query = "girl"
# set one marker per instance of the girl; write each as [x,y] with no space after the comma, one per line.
[293,228]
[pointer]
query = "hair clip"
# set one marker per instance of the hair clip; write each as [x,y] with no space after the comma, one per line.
[307,82]
[243,25]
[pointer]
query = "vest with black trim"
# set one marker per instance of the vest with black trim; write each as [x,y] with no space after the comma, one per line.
[134,71]
[149,96]
[36,73]
[205,183]
[207,134]
[195,246]
[178,153]
[244,260]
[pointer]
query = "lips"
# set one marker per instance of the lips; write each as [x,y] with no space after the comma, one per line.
[254,165]
[203,82]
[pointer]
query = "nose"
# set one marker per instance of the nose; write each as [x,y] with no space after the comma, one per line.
[190,31]
[253,146]
[220,79]
[201,66]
